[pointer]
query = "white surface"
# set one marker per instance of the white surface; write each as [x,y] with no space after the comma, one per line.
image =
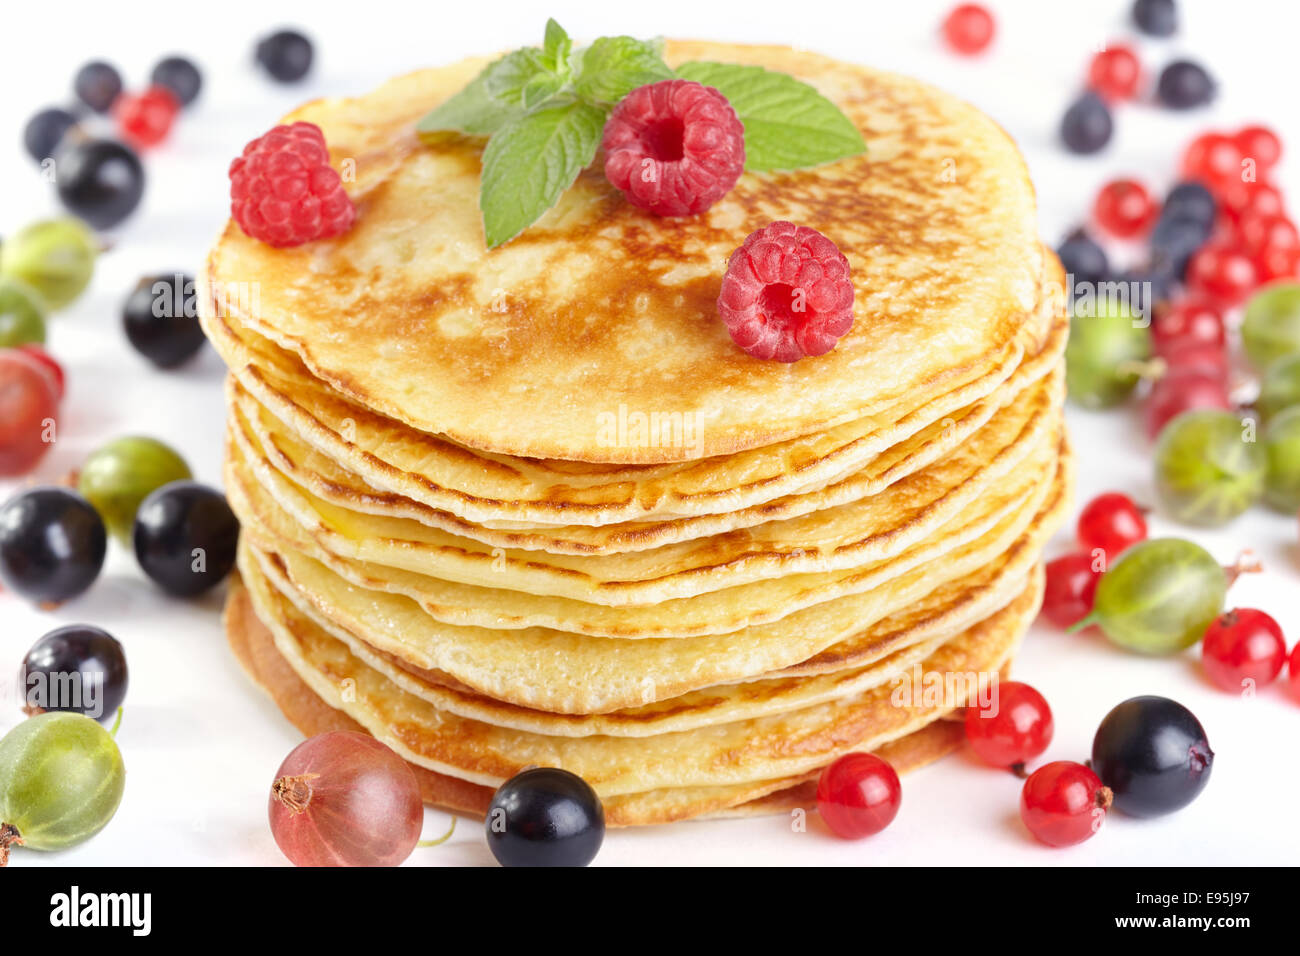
[201,744]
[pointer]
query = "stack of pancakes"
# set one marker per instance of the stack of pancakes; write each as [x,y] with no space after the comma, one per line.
[533,507]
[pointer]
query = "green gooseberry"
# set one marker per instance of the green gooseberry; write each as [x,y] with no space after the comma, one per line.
[22,314]
[1209,468]
[1104,357]
[56,257]
[1279,387]
[1282,450]
[1271,327]
[1159,597]
[121,474]
[61,780]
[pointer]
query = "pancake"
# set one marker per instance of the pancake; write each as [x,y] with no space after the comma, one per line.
[823,539]
[600,307]
[512,493]
[532,507]
[975,537]
[266,440]
[568,673]
[746,751]
[253,647]
[902,641]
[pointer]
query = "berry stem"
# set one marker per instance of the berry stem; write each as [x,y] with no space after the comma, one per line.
[294,792]
[1246,563]
[9,836]
[116,724]
[1080,624]
[1148,369]
[442,839]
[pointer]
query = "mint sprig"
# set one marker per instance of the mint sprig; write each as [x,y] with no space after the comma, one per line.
[544,111]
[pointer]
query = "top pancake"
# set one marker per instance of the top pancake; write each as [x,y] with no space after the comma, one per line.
[601,311]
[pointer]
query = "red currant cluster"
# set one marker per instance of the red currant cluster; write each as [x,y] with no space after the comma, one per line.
[1149,757]
[1249,241]
[1256,242]
[1062,802]
[859,794]
[1189,336]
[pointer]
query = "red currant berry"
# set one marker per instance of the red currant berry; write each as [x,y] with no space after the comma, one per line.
[969,28]
[1070,589]
[1214,159]
[1195,356]
[146,118]
[1222,273]
[1110,523]
[858,795]
[1240,198]
[1064,803]
[1293,672]
[1242,645]
[1181,389]
[1260,144]
[1260,232]
[1115,73]
[1124,208]
[1187,323]
[1014,729]
[1278,264]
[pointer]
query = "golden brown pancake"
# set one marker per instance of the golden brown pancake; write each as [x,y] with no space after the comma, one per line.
[824,539]
[446,544]
[563,672]
[475,489]
[320,663]
[898,643]
[600,306]
[253,647]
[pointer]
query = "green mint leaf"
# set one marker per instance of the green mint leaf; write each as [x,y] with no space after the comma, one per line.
[507,78]
[612,67]
[541,89]
[556,48]
[788,124]
[472,111]
[531,161]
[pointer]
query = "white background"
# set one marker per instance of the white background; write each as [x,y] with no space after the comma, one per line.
[201,744]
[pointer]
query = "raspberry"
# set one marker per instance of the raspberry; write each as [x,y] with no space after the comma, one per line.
[674,147]
[283,190]
[787,293]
